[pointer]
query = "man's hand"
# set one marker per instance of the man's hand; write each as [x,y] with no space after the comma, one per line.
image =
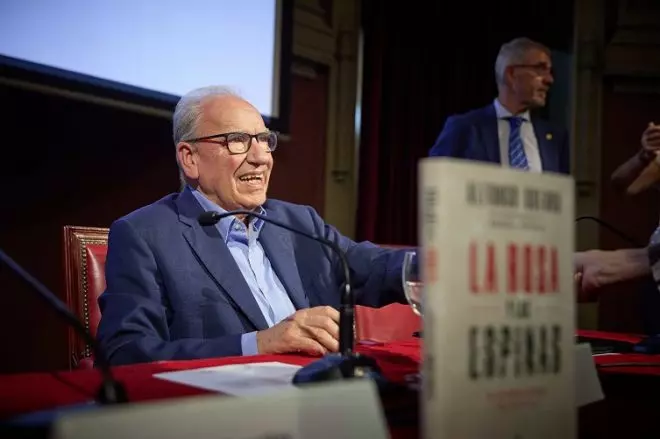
[587,274]
[651,138]
[595,269]
[311,330]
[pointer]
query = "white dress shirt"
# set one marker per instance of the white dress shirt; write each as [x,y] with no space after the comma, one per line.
[527,136]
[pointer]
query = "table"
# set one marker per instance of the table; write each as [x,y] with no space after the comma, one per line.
[26,393]
[632,390]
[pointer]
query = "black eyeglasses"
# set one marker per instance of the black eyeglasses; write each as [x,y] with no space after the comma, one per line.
[240,143]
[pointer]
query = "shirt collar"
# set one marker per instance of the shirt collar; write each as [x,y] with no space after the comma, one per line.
[225,224]
[503,113]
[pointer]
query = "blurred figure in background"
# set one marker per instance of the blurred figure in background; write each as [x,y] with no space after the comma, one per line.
[629,173]
[638,174]
[504,131]
[596,269]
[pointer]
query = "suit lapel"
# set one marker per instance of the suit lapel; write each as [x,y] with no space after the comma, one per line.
[547,150]
[216,258]
[279,250]
[489,134]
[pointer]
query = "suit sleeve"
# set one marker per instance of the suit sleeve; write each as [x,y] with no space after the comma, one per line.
[134,309]
[451,140]
[375,271]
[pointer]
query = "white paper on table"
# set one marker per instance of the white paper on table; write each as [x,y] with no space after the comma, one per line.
[587,384]
[237,379]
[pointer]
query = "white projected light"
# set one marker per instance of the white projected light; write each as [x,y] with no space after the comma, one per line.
[162,46]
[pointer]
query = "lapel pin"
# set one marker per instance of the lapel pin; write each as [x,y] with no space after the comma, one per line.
[548,136]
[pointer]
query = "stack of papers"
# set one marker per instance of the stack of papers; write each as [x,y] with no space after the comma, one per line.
[237,379]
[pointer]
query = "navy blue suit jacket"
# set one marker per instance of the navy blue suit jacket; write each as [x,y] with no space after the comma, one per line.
[473,136]
[175,292]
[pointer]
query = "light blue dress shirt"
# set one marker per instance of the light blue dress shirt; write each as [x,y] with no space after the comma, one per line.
[267,289]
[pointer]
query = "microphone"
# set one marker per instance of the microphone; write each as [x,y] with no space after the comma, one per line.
[111,390]
[347,363]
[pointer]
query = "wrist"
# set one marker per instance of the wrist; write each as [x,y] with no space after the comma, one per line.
[653,253]
[646,155]
[630,264]
[264,342]
[258,338]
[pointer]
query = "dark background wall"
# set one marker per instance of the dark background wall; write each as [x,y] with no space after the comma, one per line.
[70,162]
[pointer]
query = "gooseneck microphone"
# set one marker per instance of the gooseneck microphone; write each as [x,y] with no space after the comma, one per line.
[111,391]
[347,363]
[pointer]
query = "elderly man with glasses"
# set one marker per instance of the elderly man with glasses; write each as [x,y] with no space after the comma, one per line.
[180,290]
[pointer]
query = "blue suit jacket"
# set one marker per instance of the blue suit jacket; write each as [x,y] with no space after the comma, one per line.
[473,136]
[175,292]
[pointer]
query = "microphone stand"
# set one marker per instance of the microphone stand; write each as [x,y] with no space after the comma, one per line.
[111,390]
[347,363]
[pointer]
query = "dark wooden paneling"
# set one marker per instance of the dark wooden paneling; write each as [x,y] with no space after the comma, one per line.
[299,170]
[66,162]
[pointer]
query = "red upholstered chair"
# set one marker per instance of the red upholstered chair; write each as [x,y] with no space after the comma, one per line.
[85,250]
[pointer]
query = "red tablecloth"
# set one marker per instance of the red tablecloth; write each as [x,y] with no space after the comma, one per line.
[23,393]
[630,364]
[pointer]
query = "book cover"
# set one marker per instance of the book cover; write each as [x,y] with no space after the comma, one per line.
[498,302]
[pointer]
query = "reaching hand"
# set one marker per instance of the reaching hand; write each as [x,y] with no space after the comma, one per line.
[311,330]
[582,295]
[595,269]
[587,274]
[651,138]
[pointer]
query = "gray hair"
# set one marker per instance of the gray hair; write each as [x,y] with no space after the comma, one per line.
[514,52]
[188,115]
[188,111]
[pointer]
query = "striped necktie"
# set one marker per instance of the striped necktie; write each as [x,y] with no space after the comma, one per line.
[517,157]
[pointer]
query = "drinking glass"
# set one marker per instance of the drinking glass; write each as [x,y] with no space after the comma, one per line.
[412,281]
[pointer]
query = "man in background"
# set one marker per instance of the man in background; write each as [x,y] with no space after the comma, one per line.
[505,132]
